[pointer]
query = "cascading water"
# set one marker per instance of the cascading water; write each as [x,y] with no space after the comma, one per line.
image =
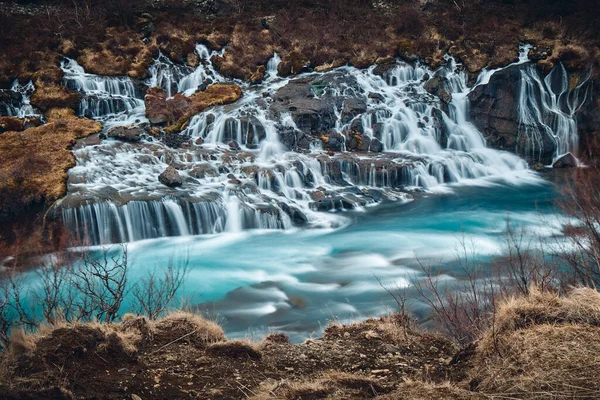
[113,100]
[115,196]
[547,109]
[15,102]
[178,78]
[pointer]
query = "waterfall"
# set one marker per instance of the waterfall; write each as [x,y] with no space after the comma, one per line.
[107,222]
[547,109]
[178,78]
[16,101]
[115,100]
[114,194]
[272,67]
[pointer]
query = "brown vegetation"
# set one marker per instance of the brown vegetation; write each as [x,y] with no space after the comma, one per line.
[545,347]
[176,111]
[35,161]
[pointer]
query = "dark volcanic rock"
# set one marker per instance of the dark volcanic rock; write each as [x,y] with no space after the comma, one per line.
[311,104]
[352,107]
[170,177]
[332,140]
[494,111]
[126,133]
[311,114]
[156,106]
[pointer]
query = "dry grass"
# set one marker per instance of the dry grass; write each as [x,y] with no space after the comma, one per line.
[235,349]
[418,390]
[71,342]
[180,108]
[35,161]
[543,346]
[329,384]
[394,328]
[201,331]
[121,53]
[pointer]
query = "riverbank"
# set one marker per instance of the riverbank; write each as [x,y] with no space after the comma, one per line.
[540,346]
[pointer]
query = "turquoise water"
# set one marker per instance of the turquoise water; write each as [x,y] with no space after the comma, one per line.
[296,281]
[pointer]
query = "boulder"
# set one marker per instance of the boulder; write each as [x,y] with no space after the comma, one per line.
[377,97]
[156,105]
[438,87]
[293,63]
[170,177]
[566,161]
[353,107]
[538,53]
[332,140]
[126,133]
[444,96]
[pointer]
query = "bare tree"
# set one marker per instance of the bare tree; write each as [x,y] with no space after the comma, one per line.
[101,285]
[581,201]
[155,291]
[527,262]
[462,308]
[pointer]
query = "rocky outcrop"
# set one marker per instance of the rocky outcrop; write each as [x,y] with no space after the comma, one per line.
[126,133]
[299,99]
[35,161]
[494,111]
[176,111]
[170,177]
[437,87]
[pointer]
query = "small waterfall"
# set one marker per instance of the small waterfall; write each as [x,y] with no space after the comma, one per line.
[107,222]
[547,109]
[116,100]
[166,74]
[15,102]
[179,78]
[272,67]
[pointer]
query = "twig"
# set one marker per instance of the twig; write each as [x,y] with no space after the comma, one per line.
[176,340]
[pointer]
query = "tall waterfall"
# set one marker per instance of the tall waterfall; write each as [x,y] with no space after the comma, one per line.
[547,109]
[114,194]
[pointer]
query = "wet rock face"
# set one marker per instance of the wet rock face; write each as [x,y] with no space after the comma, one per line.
[314,103]
[494,110]
[437,87]
[312,114]
[170,177]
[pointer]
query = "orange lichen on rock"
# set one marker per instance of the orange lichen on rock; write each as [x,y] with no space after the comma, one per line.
[177,110]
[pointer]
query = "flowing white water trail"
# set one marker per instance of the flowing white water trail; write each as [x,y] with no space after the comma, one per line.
[18,104]
[547,109]
[427,145]
[112,100]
